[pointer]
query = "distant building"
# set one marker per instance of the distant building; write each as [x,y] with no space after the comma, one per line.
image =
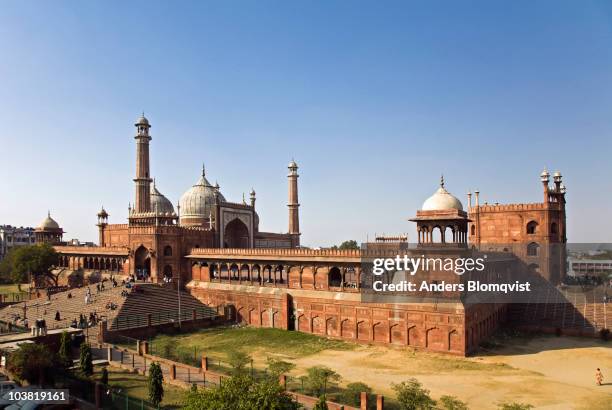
[590,267]
[12,236]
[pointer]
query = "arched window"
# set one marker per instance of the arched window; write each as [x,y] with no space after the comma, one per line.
[554,228]
[335,277]
[532,227]
[533,249]
[168,250]
[473,230]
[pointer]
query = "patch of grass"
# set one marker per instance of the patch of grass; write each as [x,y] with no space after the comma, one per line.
[220,341]
[13,288]
[135,385]
[426,363]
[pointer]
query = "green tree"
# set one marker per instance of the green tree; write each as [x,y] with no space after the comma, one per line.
[319,378]
[34,260]
[352,394]
[86,360]
[412,396]
[351,244]
[239,361]
[32,362]
[321,404]
[64,355]
[276,367]
[242,392]
[156,384]
[104,376]
[514,406]
[452,403]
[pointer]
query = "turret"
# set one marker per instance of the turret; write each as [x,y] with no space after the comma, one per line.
[293,204]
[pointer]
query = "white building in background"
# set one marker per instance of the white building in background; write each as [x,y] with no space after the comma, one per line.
[591,267]
[12,236]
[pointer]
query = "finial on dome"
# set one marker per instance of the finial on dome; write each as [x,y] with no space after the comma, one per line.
[203,170]
[48,213]
[442,180]
[243,200]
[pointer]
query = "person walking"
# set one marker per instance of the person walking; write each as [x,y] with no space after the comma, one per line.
[599,377]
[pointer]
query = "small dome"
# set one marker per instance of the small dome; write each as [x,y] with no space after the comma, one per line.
[142,120]
[199,200]
[442,200]
[103,213]
[48,223]
[159,203]
[292,164]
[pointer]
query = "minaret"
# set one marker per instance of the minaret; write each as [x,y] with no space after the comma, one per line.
[545,178]
[252,197]
[294,218]
[143,177]
[102,223]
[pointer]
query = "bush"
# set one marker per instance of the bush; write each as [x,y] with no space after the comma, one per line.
[321,404]
[604,334]
[86,360]
[242,392]
[319,378]
[276,367]
[104,377]
[514,406]
[238,361]
[412,396]
[352,394]
[64,354]
[155,384]
[452,403]
[32,363]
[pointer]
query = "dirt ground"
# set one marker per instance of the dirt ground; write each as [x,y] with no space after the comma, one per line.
[547,372]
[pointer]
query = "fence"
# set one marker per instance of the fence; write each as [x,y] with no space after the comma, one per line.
[109,399]
[159,318]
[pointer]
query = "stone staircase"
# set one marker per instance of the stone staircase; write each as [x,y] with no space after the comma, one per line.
[161,302]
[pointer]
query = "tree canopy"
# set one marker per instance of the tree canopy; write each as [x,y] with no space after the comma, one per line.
[23,261]
[412,396]
[32,362]
[350,244]
[242,392]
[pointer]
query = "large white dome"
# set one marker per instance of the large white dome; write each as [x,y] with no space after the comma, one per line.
[199,200]
[442,200]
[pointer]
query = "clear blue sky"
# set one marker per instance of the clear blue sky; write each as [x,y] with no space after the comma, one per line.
[373,99]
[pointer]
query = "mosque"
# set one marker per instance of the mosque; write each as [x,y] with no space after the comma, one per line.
[214,249]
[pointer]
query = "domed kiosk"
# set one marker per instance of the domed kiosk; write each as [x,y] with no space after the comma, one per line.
[441,221]
[49,231]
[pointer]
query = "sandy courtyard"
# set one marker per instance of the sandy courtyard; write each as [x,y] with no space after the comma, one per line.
[547,372]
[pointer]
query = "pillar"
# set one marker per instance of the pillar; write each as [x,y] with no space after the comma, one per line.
[380,401]
[364,401]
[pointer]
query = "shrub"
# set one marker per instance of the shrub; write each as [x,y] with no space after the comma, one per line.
[452,403]
[31,362]
[86,360]
[238,361]
[319,378]
[64,354]
[412,396]
[155,384]
[104,376]
[604,334]
[321,404]
[352,394]
[515,406]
